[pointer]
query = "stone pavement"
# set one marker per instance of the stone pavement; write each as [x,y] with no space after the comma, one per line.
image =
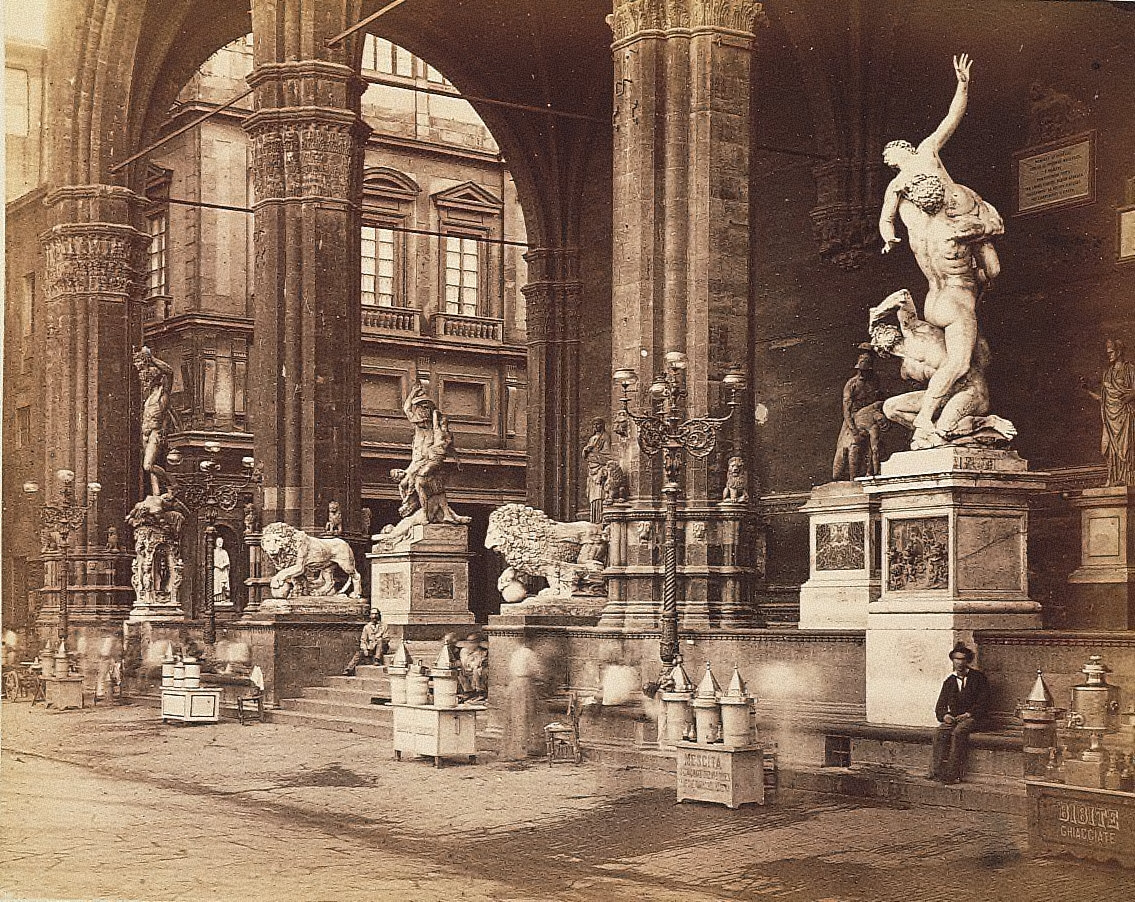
[110,803]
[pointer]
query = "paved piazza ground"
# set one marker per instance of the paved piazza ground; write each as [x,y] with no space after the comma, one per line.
[110,804]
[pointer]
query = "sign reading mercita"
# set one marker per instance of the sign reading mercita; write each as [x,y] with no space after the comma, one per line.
[718,773]
[1056,175]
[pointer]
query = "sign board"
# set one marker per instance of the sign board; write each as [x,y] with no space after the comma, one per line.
[1056,175]
[1127,233]
[718,773]
[1089,823]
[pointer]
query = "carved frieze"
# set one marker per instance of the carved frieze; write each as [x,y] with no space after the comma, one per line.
[98,259]
[310,159]
[840,546]
[918,554]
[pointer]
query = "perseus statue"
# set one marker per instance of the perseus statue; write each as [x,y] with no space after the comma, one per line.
[950,230]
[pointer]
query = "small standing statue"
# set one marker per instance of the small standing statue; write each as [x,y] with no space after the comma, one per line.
[113,543]
[422,484]
[1117,411]
[857,448]
[250,519]
[596,455]
[222,567]
[156,377]
[950,229]
[334,519]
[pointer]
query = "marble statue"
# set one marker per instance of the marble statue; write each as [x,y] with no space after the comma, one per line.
[334,519]
[156,571]
[113,542]
[251,523]
[305,564]
[950,230]
[570,556]
[596,455]
[736,490]
[222,566]
[857,447]
[1117,410]
[964,418]
[156,377]
[421,485]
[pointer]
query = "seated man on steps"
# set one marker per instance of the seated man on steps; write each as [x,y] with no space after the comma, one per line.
[372,643]
[962,706]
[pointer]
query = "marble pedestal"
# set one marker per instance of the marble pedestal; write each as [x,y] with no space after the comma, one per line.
[295,649]
[954,546]
[424,578]
[1101,591]
[843,555]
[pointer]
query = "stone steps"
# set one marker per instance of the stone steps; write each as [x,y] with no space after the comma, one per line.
[348,695]
[361,726]
[337,708]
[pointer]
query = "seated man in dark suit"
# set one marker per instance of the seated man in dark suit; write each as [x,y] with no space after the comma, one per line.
[962,706]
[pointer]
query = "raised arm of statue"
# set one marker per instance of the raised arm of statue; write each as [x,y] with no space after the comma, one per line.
[957,109]
[889,214]
[417,393]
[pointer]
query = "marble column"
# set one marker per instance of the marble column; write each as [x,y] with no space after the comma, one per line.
[94,254]
[681,236]
[552,304]
[307,144]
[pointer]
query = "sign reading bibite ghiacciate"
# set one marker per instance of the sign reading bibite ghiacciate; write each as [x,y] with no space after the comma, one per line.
[1090,823]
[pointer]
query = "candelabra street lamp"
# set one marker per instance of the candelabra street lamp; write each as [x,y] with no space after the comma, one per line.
[60,518]
[207,492]
[665,431]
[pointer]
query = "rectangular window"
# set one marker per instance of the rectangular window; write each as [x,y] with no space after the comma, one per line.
[17,102]
[378,267]
[23,427]
[462,275]
[157,261]
[436,77]
[379,55]
[27,307]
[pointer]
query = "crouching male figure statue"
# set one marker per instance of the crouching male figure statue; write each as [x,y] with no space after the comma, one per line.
[962,706]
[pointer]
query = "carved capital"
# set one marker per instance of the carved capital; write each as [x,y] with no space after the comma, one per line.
[294,156]
[94,258]
[631,17]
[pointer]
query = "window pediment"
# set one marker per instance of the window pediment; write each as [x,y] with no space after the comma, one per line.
[389,184]
[469,197]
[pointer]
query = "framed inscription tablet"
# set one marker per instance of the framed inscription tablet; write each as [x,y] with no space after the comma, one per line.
[1056,175]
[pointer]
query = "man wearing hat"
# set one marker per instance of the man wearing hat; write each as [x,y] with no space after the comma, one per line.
[962,705]
[372,643]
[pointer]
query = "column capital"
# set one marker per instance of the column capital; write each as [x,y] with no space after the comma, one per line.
[94,204]
[631,18]
[101,258]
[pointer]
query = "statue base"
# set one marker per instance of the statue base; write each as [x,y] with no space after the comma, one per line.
[295,650]
[954,561]
[424,577]
[335,605]
[583,606]
[156,611]
[843,555]
[1101,591]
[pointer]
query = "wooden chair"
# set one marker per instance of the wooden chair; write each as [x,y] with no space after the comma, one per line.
[562,737]
[251,707]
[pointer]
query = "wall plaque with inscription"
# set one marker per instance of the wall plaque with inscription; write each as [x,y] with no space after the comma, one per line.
[1088,823]
[718,773]
[1060,174]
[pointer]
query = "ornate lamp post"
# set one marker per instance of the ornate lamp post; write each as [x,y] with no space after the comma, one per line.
[62,517]
[665,431]
[207,492]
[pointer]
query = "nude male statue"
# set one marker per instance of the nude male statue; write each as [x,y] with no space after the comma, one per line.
[965,414]
[950,230]
[156,377]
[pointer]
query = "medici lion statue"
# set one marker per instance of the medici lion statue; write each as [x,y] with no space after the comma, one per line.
[305,564]
[570,556]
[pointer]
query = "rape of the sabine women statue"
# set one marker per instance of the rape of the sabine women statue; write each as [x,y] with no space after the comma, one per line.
[422,484]
[897,331]
[570,556]
[950,230]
